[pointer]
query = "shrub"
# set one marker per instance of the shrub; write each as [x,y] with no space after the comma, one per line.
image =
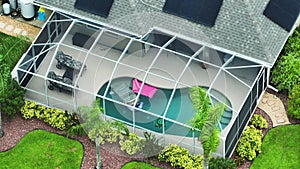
[152,146]
[76,130]
[105,133]
[132,145]
[286,73]
[179,157]
[294,102]
[250,143]
[11,98]
[293,43]
[258,121]
[138,165]
[11,94]
[55,117]
[239,160]
[221,163]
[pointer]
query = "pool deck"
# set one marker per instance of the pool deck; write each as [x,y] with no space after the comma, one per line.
[99,70]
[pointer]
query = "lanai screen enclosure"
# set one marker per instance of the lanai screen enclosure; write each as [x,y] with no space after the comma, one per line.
[143,79]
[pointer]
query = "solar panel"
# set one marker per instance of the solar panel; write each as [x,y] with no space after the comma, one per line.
[98,7]
[200,11]
[283,12]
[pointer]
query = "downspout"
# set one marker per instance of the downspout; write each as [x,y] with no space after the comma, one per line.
[268,80]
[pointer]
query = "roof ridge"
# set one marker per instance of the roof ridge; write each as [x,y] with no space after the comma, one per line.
[260,35]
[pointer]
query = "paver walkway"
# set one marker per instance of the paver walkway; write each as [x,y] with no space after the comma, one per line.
[274,107]
[17,28]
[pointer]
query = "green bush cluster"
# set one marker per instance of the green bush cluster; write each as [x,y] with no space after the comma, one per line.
[294,102]
[239,160]
[179,157]
[76,130]
[11,94]
[133,144]
[106,133]
[221,163]
[258,121]
[287,69]
[250,143]
[55,117]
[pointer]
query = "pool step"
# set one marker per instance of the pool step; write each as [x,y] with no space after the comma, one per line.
[227,114]
[225,120]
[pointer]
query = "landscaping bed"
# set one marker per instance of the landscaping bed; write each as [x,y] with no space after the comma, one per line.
[111,155]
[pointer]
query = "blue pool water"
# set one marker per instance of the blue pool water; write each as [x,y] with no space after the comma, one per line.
[180,109]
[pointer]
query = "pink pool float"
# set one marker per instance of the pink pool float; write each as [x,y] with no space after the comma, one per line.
[147,90]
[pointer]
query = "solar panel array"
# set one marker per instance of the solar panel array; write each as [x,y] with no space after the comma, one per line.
[98,7]
[200,11]
[283,12]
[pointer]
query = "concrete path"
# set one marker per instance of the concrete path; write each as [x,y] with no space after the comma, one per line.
[274,107]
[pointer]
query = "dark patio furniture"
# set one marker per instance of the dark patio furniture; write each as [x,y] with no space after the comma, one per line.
[61,87]
[83,40]
[69,73]
[68,62]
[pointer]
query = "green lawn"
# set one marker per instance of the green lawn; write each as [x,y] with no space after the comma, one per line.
[138,165]
[41,149]
[280,149]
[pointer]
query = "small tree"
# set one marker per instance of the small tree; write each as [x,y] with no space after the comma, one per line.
[99,129]
[11,99]
[205,121]
[92,120]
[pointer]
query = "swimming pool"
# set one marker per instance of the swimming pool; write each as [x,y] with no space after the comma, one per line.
[180,109]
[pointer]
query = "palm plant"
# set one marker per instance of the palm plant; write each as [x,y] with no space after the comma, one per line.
[205,121]
[91,118]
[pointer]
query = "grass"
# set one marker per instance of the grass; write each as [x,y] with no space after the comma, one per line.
[43,150]
[280,149]
[138,165]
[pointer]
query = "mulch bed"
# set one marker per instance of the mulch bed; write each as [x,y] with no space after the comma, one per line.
[111,155]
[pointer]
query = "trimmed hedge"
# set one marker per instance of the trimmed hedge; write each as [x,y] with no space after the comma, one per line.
[55,117]
[250,143]
[179,157]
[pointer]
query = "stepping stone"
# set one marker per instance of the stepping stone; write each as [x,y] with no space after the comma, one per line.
[280,121]
[24,33]
[9,27]
[275,108]
[278,115]
[270,102]
[264,100]
[2,25]
[17,30]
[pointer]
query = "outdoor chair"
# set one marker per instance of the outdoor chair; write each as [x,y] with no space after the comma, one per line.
[124,93]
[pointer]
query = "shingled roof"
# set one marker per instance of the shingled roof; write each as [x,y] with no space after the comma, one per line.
[240,26]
